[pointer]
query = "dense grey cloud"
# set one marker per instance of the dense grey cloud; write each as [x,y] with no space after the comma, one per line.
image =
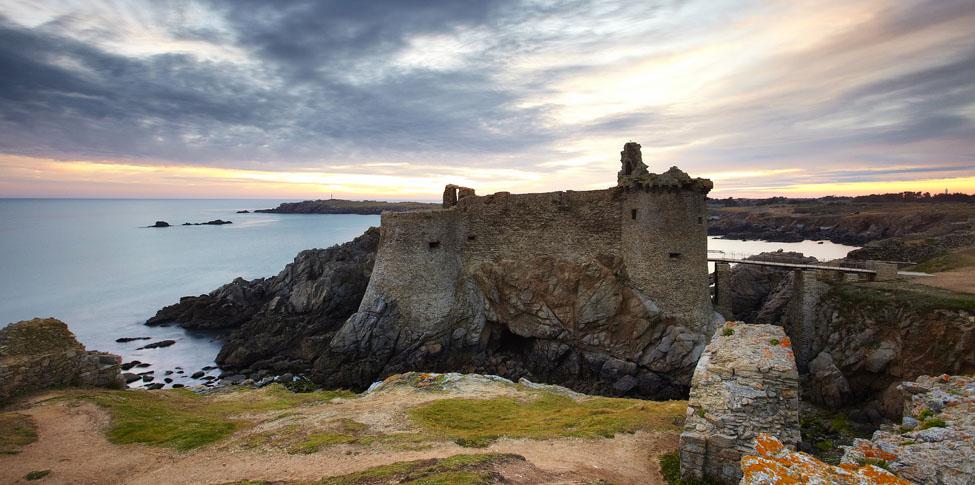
[297,85]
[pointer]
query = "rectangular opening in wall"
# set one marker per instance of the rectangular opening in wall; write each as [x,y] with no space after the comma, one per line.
[674,255]
[434,244]
[633,214]
[471,237]
[700,220]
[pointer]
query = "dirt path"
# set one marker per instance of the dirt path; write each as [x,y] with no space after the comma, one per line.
[72,444]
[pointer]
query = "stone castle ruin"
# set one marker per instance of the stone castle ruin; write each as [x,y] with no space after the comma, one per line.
[604,290]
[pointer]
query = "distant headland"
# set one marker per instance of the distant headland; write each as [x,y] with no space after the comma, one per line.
[341,206]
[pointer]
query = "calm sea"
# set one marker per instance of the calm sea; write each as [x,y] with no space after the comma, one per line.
[94,265]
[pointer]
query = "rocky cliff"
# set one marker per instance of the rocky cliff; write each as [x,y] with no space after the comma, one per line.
[579,324]
[865,337]
[283,322]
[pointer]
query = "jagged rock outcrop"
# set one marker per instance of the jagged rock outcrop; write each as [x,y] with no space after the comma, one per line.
[577,324]
[856,341]
[773,463]
[869,339]
[42,353]
[283,322]
[760,294]
[935,444]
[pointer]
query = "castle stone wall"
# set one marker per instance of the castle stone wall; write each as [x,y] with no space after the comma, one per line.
[663,245]
[745,383]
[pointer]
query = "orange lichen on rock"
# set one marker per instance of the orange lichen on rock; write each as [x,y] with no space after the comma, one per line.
[776,464]
[786,342]
[870,450]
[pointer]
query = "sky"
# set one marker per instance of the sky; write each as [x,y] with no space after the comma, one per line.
[393,99]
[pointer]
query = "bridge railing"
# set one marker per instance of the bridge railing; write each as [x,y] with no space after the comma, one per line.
[774,258]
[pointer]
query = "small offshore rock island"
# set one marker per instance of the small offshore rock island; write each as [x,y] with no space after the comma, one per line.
[603,290]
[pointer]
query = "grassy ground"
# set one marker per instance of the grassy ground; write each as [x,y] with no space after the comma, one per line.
[16,431]
[963,258]
[914,296]
[478,422]
[184,420]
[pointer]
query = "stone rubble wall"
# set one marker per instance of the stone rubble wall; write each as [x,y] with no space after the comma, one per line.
[935,443]
[745,383]
[42,353]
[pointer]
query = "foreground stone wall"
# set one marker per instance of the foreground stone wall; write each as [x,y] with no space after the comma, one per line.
[745,383]
[42,353]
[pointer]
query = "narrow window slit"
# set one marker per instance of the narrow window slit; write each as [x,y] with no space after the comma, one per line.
[434,244]
[674,255]
[633,214]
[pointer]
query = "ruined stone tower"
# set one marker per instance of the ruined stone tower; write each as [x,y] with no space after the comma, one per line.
[627,281]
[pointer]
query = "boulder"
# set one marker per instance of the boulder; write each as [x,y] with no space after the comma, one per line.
[42,353]
[157,345]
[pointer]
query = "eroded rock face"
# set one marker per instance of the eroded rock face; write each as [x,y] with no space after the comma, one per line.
[865,349]
[936,442]
[760,294]
[861,341]
[283,322]
[579,324]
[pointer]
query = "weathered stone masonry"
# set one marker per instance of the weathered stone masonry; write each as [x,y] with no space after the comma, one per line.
[655,223]
[745,383]
[42,353]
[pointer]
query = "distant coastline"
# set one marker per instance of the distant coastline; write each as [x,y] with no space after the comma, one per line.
[341,206]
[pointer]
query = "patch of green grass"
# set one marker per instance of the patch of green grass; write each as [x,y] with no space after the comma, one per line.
[670,469]
[37,474]
[841,424]
[16,431]
[925,413]
[478,422]
[865,296]
[183,420]
[932,423]
[457,469]
[824,445]
[773,342]
[728,332]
